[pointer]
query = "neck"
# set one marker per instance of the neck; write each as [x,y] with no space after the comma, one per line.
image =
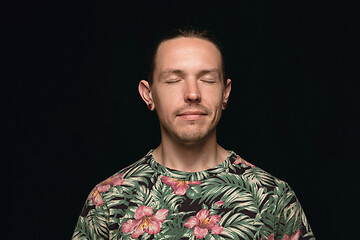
[190,157]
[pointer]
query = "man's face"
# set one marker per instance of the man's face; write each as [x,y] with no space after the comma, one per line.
[188,89]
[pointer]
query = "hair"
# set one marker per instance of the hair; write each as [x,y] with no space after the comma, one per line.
[187,32]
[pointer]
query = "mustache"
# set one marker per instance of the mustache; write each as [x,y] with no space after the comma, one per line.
[192,107]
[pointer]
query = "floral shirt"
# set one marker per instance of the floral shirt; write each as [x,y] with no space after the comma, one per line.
[234,200]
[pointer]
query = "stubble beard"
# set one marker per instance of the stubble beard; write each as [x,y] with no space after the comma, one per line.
[190,134]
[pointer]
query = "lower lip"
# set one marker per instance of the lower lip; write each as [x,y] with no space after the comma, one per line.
[191,117]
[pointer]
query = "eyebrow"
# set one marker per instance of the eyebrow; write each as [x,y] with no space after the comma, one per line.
[181,72]
[209,71]
[169,71]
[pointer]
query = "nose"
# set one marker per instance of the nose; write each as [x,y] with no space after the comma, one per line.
[192,93]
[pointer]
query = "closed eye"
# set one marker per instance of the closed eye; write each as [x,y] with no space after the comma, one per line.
[175,80]
[208,80]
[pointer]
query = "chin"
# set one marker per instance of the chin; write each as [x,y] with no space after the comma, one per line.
[193,137]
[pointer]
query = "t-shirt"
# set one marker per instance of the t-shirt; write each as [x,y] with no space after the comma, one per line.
[234,200]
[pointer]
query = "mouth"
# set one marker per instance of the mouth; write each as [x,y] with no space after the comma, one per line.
[192,115]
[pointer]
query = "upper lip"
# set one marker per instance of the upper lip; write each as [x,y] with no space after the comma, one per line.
[192,112]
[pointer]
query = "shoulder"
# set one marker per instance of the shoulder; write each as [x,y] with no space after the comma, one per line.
[119,183]
[257,176]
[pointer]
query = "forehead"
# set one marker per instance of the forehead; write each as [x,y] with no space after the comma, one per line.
[187,54]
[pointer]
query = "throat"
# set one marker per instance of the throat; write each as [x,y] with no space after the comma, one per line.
[190,160]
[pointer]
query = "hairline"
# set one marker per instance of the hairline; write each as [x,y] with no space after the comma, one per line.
[222,73]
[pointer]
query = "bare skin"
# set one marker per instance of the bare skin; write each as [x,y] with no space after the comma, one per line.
[188,93]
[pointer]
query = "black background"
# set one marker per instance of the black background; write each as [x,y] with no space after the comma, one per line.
[76,117]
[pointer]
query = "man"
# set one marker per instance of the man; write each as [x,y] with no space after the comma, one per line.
[190,187]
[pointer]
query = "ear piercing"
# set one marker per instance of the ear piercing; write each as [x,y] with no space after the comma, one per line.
[149,106]
[224,105]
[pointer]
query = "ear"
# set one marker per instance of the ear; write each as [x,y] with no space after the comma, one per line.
[227,91]
[145,93]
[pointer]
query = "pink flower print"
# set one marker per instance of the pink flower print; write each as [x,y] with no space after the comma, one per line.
[240,160]
[202,222]
[219,203]
[104,187]
[271,237]
[179,186]
[145,221]
[96,198]
[294,236]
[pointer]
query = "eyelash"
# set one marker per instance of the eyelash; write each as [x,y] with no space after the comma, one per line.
[173,80]
[208,80]
[178,80]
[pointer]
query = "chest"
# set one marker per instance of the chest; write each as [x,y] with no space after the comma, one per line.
[214,208]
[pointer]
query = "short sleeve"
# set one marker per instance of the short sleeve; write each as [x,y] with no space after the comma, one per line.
[93,221]
[291,220]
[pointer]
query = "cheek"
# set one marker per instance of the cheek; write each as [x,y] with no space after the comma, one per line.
[215,102]
[165,103]
[215,99]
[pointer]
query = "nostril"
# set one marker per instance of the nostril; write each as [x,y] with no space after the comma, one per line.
[192,93]
[193,97]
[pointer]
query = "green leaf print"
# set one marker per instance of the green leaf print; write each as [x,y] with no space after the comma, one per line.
[258,176]
[165,197]
[96,221]
[234,200]
[239,224]
[139,174]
